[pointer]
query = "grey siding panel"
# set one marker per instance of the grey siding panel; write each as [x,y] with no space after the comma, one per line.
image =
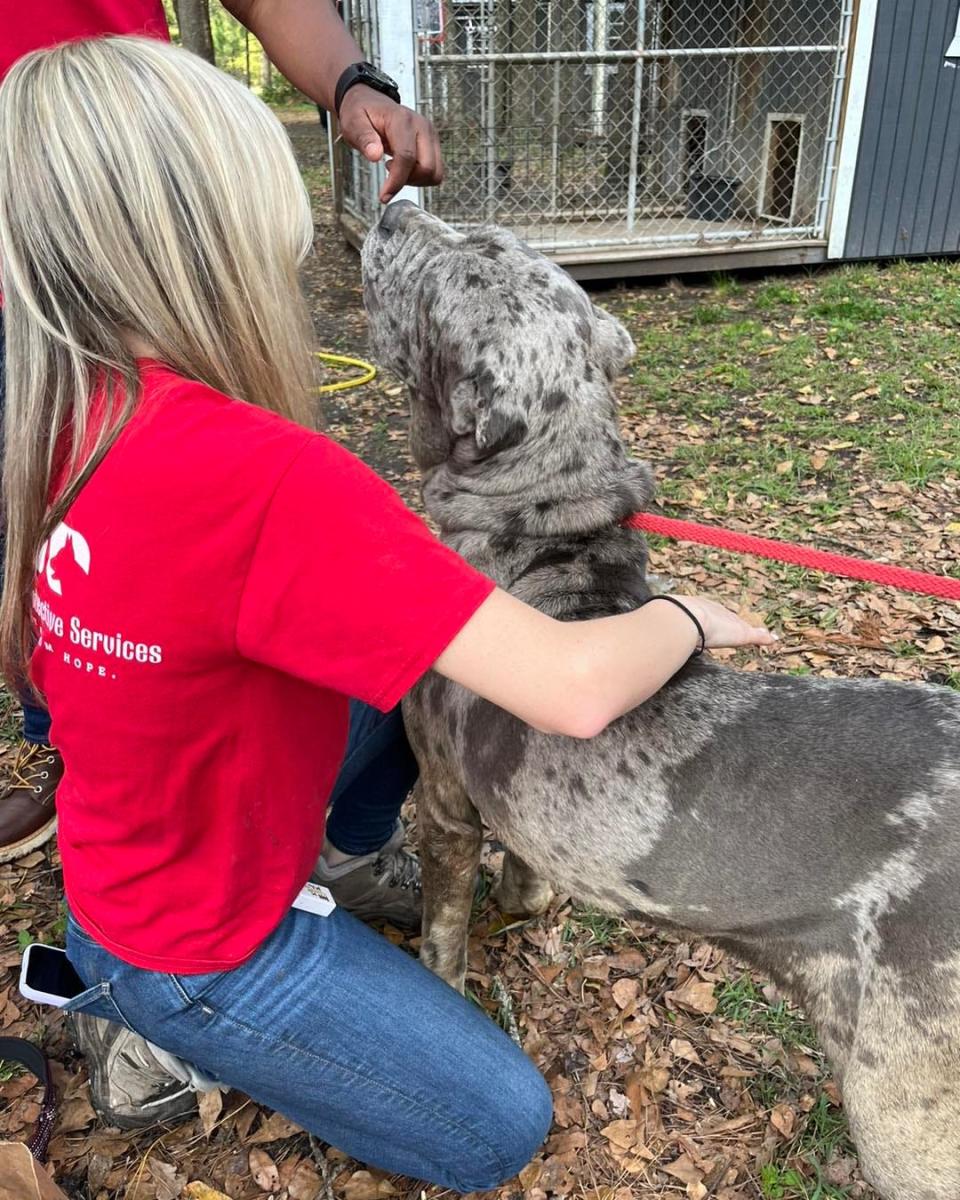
[906,193]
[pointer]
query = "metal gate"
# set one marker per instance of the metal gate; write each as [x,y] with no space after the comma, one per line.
[645,125]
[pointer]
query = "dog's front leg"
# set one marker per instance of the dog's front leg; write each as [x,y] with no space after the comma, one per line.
[450,837]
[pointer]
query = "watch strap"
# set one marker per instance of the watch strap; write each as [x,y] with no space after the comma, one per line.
[366,74]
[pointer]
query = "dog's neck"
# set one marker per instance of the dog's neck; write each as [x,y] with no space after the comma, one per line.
[535,491]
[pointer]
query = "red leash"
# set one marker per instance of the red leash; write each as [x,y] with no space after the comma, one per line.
[801,556]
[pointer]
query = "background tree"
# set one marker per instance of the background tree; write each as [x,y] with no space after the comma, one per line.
[193,21]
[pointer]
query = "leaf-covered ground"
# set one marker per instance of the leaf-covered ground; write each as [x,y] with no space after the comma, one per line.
[815,406]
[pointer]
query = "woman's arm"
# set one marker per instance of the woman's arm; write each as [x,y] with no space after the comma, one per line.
[312,47]
[575,677]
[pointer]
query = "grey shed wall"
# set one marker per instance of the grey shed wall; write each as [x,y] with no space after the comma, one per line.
[906,191]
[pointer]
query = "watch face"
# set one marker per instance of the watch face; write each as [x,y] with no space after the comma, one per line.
[371,72]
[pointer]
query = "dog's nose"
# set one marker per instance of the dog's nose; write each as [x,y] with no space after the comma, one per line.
[393,215]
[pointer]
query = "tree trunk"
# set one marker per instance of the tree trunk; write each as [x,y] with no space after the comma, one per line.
[193,17]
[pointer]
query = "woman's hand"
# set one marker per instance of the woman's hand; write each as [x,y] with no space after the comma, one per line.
[723,628]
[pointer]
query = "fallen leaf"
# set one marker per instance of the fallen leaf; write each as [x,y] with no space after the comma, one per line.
[264,1170]
[76,1113]
[621,1133]
[685,1170]
[832,1092]
[695,994]
[625,992]
[305,1183]
[275,1127]
[202,1191]
[683,1049]
[530,1175]
[168,1182]
[654,1079]
[363,1185]
[31,860]
[210,1105]
[783,1119]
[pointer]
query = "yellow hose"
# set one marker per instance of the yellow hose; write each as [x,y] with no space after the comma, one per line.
[368,372]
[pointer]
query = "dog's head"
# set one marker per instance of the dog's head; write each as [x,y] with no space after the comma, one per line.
[498,345]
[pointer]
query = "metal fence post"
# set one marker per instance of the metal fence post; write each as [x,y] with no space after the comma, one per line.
[398,56]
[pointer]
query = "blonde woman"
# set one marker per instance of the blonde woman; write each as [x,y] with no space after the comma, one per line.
[180,540]
[309,43]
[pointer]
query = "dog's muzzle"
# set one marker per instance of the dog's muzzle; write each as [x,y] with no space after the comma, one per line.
[394,215]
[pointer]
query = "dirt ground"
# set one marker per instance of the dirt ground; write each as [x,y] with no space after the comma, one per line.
[811,405]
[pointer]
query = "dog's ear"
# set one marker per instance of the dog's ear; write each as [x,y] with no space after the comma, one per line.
[614,345]
[492,414]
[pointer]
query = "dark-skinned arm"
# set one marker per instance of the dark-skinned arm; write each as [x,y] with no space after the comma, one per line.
[309,44]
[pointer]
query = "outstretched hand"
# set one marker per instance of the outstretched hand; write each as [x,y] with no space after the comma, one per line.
[723,628]
[376,126]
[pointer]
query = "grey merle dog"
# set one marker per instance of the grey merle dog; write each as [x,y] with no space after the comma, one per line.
[810,826]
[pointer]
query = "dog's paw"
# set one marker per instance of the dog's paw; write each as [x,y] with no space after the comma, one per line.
[448,962]
[527,898]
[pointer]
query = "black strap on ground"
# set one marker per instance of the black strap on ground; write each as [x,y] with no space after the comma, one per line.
[19,1050]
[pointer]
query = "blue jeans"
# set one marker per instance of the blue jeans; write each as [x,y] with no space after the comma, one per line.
[338,1029]
[348,1036]
[376,775]
[36,719]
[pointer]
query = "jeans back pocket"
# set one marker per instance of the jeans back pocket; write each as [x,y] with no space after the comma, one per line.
[98,1001]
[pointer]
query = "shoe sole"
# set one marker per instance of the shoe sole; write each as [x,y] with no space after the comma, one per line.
[111,1118]
[39,838]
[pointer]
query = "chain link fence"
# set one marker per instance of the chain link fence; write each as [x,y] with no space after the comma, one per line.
[632,123]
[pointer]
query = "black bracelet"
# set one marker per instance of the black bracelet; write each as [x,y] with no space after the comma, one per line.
[683,608]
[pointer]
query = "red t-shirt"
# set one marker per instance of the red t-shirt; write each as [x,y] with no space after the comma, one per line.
[221,585]
[27,25]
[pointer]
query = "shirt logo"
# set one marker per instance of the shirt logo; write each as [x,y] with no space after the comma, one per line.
[63,556]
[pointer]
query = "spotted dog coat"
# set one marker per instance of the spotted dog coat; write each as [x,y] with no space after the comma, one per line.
[812,827]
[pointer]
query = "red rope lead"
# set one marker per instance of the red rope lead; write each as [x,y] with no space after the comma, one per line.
[801,556]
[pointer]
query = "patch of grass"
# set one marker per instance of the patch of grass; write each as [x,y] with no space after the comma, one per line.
[708,314]
[857,364]
[10,1070]
[822,1138]
[824,1134]
[725,286]
[602,929]
[317,181]
[787,1183]
[56,934]
[9,716]
[741,1000]
[854,309]
[773,295]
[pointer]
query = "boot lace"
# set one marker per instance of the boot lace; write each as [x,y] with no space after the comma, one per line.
[399,869]
[32,766]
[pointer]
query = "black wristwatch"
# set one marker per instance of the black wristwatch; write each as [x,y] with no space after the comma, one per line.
[367,74]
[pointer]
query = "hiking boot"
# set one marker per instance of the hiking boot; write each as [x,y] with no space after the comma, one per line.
[28,817]
[129,1086]
[382,886]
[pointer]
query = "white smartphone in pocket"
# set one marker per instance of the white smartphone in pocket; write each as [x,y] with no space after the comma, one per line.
[47,977]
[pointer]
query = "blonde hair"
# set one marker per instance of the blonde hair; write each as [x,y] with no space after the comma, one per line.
[141,191]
